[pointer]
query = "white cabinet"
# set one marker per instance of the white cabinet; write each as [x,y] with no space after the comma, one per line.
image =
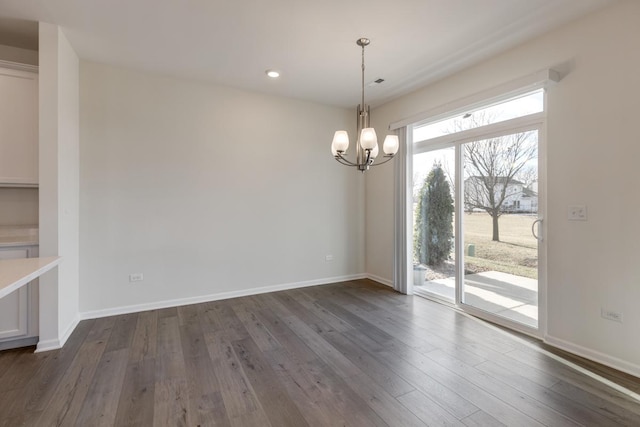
[19,309]
[18,128]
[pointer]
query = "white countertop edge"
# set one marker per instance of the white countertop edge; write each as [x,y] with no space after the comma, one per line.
[15,273]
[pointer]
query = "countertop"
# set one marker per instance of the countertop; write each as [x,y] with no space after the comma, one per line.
[18,235]
[15,273]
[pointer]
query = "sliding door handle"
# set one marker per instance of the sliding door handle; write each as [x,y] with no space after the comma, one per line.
[533,229]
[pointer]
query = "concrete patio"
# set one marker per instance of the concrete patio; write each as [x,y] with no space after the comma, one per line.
[502,294]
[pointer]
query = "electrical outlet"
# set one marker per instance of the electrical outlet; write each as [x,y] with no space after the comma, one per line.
[136,277]
[328,258]
[577,213]
[611,315]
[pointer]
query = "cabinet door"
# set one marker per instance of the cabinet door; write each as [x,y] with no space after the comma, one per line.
[14,307]
[18,127]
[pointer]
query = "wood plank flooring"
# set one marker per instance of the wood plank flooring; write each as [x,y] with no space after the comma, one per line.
[352,353]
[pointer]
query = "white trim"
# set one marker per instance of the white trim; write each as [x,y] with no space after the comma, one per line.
[596,356]
[493,130]
[48,345]
[403,213]
[542,215]
[522,85]
[380,280]
[458,237]
[94,314]
[424,293]
[57,343]
[72,326]
[501,321]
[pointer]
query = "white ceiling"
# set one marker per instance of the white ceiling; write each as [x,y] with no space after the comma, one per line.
[413,42]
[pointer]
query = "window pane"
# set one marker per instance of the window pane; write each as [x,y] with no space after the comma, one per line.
[500,210]
[433,222]
[524,105]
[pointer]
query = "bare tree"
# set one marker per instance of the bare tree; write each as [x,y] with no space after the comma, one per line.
[492,166]
[528,176]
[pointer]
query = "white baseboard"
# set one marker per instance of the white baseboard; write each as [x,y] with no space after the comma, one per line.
[596,356]
[70,328]
[380,280]
[95,314]
[56,343]
[48,345]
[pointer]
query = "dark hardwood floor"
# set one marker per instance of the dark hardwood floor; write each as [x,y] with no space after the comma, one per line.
[353,353]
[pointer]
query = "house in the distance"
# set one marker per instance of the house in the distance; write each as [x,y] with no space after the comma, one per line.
[518,198]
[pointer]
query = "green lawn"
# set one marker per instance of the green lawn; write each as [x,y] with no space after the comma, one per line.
[515,253]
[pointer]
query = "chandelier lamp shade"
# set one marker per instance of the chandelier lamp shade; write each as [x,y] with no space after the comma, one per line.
[367,144]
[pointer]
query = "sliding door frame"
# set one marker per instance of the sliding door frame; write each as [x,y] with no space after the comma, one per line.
[521,124]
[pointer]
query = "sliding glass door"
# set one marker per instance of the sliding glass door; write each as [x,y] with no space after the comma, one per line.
[500,200]
[434,174]
[478,201]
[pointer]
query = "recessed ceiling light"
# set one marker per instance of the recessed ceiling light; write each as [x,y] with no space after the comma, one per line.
[273,74]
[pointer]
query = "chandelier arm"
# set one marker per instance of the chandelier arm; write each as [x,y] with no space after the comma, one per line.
[382,163]
[344,161]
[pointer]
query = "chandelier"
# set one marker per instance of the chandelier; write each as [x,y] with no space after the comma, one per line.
[367,143]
